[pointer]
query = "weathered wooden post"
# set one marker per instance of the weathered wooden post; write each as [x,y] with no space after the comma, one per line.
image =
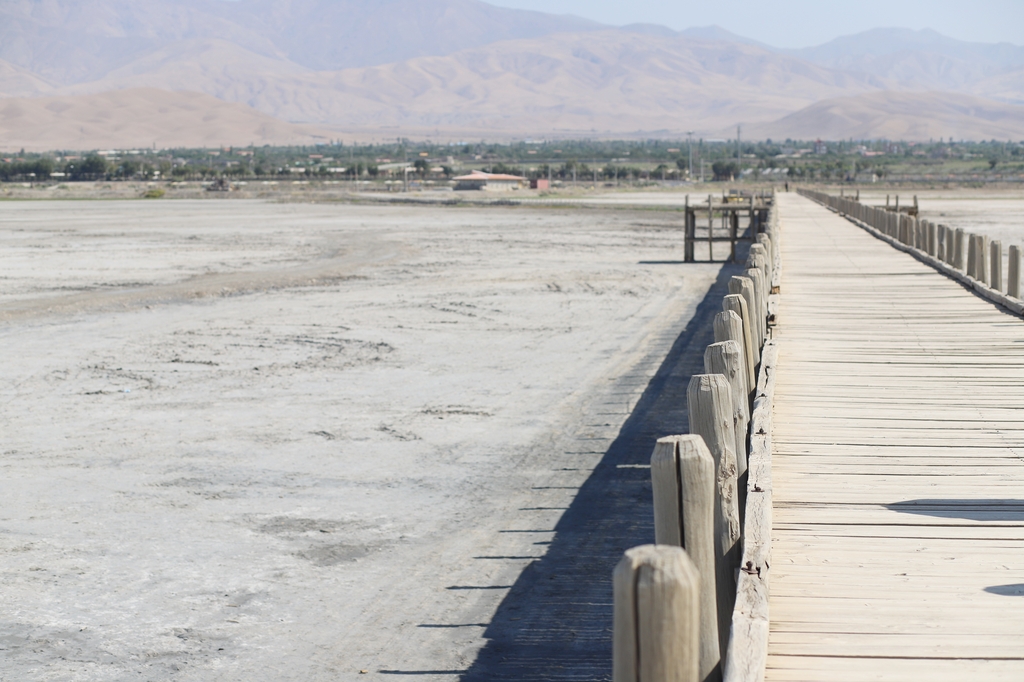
[656,632]
[972,256]
[726,358]
[1014,272]
[995,279]
[983,264]
[734,233]
[940,248]
[759,258]
[690,237]
[711,230]
[958,249]
[981,258]
[709,405]
[683,481]
[729,327]
[766,241]
[743,288]
[761,299]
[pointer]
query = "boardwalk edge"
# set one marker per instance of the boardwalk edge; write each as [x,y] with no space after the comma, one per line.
[747,654]
[978,287]
[748,640]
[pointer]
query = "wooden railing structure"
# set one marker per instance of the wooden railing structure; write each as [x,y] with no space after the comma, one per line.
[694,606]
[972,259]
[729,221]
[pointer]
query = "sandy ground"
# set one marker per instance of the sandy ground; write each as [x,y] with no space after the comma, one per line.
[264,441]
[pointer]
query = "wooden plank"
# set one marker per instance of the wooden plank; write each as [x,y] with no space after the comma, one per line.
[898,456]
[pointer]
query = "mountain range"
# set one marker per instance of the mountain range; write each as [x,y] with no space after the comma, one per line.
[463,68]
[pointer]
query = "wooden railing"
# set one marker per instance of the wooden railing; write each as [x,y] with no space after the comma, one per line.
[972,259]
[726,221]
[694,606]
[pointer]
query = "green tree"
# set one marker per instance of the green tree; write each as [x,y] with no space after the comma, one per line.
[725,170]
[127,169]
[92,167]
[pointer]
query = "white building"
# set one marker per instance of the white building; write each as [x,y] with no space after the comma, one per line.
[492,182]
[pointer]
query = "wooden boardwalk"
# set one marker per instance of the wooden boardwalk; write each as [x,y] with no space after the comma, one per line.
[898,467]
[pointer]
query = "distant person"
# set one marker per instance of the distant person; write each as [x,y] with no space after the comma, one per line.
[787,186]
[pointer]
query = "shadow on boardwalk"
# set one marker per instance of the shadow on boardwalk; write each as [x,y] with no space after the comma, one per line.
[555,623]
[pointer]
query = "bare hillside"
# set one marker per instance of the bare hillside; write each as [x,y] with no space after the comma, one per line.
[380,68]
[75,41]
[608,81]
[900,116]
[141,118]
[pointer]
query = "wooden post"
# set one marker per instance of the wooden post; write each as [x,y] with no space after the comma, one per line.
[972,256]
[995,279]
[1013,273]
[656,632]
[709,404]
[691,232]
[711,230]
[958,249]
[743,288]
[766,241]
[734,229]
[940,246]
[761,296]
[983,271]
[729,327]
[683,481]
[727,358]
[758,258]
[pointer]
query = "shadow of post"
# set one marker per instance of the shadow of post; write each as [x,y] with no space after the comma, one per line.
[556,621]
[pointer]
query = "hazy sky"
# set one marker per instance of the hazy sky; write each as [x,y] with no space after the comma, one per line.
[801,23]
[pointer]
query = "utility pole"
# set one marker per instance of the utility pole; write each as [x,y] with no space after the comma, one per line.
[689,149]
[737,149]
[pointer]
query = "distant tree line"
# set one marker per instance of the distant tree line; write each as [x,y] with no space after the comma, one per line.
[39,169]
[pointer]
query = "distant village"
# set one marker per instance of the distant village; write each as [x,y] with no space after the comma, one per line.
[538,165]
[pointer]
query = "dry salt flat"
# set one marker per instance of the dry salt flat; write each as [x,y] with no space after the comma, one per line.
[268,441]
